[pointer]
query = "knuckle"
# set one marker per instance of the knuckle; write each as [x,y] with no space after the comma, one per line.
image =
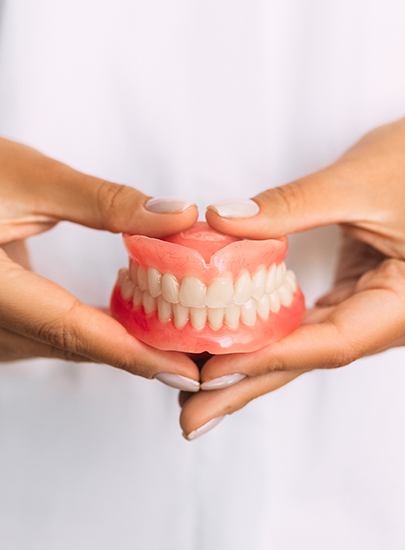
[61,333]
[110,199]
[290,198]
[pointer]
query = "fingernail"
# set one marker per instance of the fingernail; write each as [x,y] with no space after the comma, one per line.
[204,428]
[236,208]
[222,381]
[167,205]
[178,381]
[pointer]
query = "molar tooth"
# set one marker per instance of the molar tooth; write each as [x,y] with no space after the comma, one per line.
[285,295]
[259,282]
[154,282]
[232,315]
[141,278]
[192,292]
[180,316]
[164,310]
[274,302]
[216,317]
[291,280]
[133,268]
[248,313]
[198,317]
[137,299]
[271,279]
[127,288]
[170,288]
[220,292]
[243,287]
[148,302]
[263,307]
[281,271]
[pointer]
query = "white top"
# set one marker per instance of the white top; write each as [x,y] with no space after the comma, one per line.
[207,100]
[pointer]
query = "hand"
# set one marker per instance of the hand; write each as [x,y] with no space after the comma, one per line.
[363,192]
[38,318]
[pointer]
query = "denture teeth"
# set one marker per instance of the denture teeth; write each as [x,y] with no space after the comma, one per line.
[232,315]
[216,317]
[133,268]
[164,310]
[248,313]
[149,303]
[137,299]
[198,317]
[291,280]
[154,282]
[220,292]
[274,302]
[281,271]
[170,288]
[192,292]
[259,282]
[180,316]
[141,278]
[271,279]
[285,295]
[122,275]
[127,288]
[263,307]
[243,288]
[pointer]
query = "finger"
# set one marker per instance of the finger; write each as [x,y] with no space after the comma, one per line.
[36,308]
[57,192]
[204,410]
[323,198]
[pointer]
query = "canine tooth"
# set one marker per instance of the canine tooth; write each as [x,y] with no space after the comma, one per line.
[198,316]
[148,302]
[259,282]
[164,310]
[141,278]
[271,279]
[180,316]
[220,292]
[232,315]
[192,292]
[216,317]
[263,307]
[154,282]
[285,295]
[243,287]
[133,268]
[291,280]
[274,302]
[248,313]
[170,288]
[137,299]
[127,288]
[281,271]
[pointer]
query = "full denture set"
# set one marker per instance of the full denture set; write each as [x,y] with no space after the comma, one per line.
[201,291]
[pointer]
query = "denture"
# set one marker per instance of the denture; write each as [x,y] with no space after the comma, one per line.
[202,291]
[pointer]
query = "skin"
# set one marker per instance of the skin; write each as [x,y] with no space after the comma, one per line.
[364,313]
[38,318]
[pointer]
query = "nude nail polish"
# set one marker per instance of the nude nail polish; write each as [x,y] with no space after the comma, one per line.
[167,205]
[204,428]
[222,381]
[235,208]
[178,381]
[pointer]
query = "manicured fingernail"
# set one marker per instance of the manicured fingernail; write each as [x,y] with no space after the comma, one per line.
[222,381]
[167,205]
[178,381]
[236,208]
[204,428]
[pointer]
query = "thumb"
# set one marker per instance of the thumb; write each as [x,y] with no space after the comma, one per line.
[323,198]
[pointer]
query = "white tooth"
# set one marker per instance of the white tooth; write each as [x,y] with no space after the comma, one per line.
[180,316]
[274,302]
[133,268]
[198,317]
[154,282]
[248,313]
[127,289]
[263,307]
[281,271]
[141,278]
[192,292]
[285,295]
[216,317]
[220,292]
[271,279]
[291,280]
[148,302]
[164,310]
[259,282]
[170,288]
[232,314]
[137,299]
[243,287]
[122,275]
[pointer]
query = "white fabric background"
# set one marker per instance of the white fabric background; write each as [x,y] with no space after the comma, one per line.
[204,99]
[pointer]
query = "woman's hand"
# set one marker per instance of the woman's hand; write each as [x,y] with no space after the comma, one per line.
[364,192]
[38,318]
